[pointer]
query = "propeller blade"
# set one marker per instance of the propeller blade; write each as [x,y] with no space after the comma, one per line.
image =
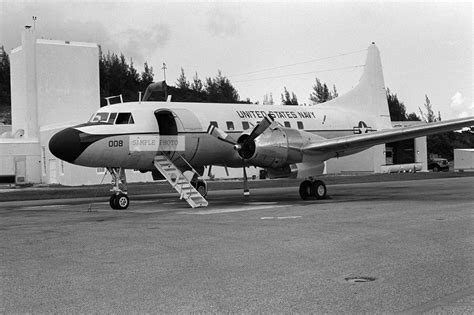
[220,134]
[260,128]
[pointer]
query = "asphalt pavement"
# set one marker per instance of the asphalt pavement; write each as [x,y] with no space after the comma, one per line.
[387,247]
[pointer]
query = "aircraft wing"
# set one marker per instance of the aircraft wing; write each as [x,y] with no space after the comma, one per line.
[370,139]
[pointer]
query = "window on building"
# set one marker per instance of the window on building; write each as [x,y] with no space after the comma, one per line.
[214,123]
[124,118]
[287,124]
[245,125]
[100,170]
[230,125]
[300,125]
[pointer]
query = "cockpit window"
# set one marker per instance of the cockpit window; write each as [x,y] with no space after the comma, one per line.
[124,118]
[100,118]
[103,118]
[112,118]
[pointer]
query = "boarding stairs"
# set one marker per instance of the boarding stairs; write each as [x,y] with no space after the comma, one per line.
[179,182]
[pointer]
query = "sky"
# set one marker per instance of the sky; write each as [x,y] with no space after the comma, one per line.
[262,47]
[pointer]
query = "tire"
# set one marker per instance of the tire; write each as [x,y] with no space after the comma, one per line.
[112,201]
[319,189]
[122,201]
[202,188]
[306,190]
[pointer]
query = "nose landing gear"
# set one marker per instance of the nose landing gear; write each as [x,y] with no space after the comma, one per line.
[313,189]
[119,199]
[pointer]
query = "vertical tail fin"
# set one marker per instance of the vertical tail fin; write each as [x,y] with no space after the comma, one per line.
[369,96]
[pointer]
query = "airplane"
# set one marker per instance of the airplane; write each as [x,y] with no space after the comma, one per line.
[289,141]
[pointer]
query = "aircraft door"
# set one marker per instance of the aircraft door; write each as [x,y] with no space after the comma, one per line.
[167,127]
[185,126]
[189,125]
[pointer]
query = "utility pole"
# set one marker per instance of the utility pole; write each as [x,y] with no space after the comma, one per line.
[164,70]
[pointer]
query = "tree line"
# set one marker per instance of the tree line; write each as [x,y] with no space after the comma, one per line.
[117,76]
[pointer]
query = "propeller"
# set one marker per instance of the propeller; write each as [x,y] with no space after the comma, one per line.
[220,134]
[260,127]
[246,145]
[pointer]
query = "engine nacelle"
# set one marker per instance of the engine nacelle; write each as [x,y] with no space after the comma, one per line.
[276,147]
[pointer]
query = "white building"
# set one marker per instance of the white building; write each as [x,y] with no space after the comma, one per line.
[54,84]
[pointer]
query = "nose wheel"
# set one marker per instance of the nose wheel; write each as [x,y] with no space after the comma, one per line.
[119,199]
[313,189]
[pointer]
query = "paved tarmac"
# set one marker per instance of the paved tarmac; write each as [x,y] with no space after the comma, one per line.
[388,247]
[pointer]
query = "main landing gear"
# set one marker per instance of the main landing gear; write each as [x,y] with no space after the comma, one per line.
[119,199]
[199,184]
[313,189]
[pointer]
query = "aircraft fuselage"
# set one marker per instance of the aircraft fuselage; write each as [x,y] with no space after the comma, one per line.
[179,129]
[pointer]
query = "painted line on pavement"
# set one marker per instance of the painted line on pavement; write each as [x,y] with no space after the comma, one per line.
[281,218]
[230,210]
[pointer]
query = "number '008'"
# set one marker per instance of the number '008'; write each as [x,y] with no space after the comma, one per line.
[115,143]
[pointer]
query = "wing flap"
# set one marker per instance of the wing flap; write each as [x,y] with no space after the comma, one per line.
[368,140]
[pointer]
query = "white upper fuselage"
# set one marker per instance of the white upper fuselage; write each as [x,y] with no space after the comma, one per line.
[324,120]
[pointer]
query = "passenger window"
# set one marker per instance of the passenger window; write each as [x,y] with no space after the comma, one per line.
[300,125]
[230,125]
[124,118]
[214,123]
[245,125]
[112,118]
[287,124]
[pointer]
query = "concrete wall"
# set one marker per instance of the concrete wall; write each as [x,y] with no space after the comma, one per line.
[23,86]
[464,160]
[68,94]
[68,81]
[421,153]
[21,158]
[367,161]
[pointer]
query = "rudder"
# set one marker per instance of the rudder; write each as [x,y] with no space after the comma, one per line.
[369,96]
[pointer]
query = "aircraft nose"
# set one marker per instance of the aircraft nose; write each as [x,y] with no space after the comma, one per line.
[66,144]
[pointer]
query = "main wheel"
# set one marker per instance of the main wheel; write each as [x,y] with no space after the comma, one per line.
[319,189]
[202,188]
[306,189]
[112,201]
